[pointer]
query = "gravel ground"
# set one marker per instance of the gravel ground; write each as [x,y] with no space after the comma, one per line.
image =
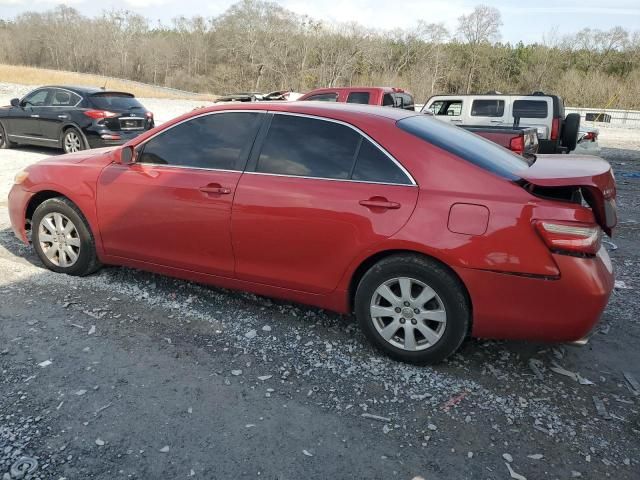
[127,374]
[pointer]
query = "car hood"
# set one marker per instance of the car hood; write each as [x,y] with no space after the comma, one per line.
[592,174]
[80,157]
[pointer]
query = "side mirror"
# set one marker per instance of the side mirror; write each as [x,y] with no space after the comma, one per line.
[15,102]
[127,156]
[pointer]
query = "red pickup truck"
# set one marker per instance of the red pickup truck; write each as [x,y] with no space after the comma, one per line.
[523,141]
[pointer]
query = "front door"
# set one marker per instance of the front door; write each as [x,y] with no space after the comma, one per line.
[24,121]
[173,206]
[319,194]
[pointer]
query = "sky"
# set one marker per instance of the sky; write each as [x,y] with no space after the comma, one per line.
[526,21]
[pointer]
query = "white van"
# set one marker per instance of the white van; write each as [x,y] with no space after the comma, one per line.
[545,113]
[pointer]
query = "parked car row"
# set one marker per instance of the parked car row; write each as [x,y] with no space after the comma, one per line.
[427,232]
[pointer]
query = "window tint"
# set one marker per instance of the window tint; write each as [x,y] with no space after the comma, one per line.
[220,141]
[407,101]
[487,108]
[324,97]
[358,97]
[37,98]
[63,98]
[451,108]
[388,100]
[373,165]
[115,101]
[530,108]
[466,145]
[308,147]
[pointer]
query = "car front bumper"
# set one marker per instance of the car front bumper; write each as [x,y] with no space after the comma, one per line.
[564,309]
[18,201]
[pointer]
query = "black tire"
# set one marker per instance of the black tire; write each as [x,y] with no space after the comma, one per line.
[449,290]
[87,260]
[570,131]
[78,140]
[4,140]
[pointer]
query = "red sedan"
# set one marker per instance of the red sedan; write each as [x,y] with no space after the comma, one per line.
[427,232]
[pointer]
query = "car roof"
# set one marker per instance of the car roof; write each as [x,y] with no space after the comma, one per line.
[321,109]
[83,90]
[357,89]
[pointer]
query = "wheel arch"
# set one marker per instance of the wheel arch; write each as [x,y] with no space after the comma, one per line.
[69,125]
[371,260]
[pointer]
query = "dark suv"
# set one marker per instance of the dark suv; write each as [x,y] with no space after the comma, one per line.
[73,118]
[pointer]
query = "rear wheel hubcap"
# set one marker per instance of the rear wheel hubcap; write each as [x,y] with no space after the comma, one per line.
[408,314]
[71,142]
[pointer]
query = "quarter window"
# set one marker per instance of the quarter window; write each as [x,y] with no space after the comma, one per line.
[358,97]
[487,108]
[373,165]
[308,147]
[219,141]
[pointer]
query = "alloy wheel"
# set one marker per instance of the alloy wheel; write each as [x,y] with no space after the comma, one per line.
[408,314]
[72,142]
[59,239]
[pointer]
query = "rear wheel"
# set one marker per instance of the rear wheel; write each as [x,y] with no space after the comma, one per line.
[413,309]
[62,238]
[570,131]
[72,141]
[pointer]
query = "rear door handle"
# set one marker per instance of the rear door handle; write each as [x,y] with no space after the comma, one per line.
[380,203]
[63,116]
[35,116]
[215,189]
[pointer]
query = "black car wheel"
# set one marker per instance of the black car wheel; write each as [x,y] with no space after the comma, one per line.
[413,309]
[4,140]
[72,141]
[570,131]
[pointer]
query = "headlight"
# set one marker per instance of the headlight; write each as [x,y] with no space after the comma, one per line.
[20,177]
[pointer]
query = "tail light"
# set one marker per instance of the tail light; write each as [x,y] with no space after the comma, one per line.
[97,114]
[517,145]
[555,128]
[593,136]
[149,115]
[569,237]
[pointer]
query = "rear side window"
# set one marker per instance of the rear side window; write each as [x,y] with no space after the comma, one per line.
[487,108]
[64,98]
[358,97]
[372,165]
[308,147]
[114,101]
[220,141]
[324,97]
[531,108]
[466,145]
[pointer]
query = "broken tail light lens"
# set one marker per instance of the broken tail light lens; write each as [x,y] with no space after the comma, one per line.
[97,114]
[569,237]
[517,144]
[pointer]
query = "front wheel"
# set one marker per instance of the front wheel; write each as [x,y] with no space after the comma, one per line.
[62,238]
[413,309]
[72,141]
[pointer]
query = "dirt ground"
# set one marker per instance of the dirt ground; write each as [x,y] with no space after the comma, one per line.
[126,374]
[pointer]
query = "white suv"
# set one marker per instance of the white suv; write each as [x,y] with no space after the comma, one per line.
[545,113]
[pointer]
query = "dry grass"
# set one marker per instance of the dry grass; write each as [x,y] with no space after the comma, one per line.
[40,76]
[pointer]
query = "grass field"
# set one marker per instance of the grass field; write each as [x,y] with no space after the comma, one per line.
[40,76]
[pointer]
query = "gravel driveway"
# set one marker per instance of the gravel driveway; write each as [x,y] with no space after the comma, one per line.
[127,374]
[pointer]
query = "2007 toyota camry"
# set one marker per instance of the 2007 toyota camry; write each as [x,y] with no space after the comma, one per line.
[427,232]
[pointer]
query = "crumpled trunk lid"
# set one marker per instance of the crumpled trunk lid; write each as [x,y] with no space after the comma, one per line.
[591,174]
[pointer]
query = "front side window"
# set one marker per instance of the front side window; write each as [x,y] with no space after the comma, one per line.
[308,147]
[219,141]
[388,100]
[372,165]
[450,108]
[36,99]
[358,97]
[324,97]
[487,108]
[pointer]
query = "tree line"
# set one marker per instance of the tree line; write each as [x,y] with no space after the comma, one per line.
[260,46]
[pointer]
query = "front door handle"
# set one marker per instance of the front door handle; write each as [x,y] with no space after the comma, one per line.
[215,188]
[379,202]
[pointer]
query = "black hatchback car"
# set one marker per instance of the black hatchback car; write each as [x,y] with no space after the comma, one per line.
[73,118]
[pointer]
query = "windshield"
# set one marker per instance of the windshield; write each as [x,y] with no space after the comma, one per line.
[115,101]
[466,145]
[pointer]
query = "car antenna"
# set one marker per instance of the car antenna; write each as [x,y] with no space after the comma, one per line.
[105,84]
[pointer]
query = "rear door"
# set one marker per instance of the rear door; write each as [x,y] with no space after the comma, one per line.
[488,111]
[315,195]
[57,112]
[173,206]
